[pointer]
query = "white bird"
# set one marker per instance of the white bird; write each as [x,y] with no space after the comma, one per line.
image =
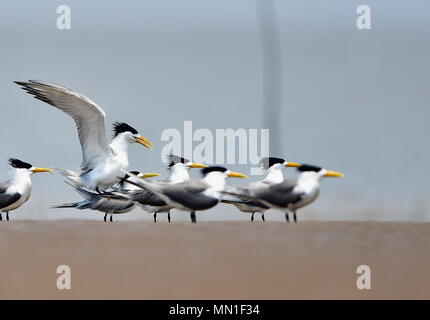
[192,195]
[17,190]
[102,163]
[288,195]
[273,174]
[109,204]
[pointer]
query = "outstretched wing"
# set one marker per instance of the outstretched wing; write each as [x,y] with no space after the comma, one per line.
[88,116]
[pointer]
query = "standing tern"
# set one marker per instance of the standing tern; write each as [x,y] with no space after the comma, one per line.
[17,190]
[102,162]
[192,195]
[179,168]
[288,195]
[272,167]
[109,203]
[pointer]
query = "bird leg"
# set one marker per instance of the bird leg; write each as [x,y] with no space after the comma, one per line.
[1,218]
[168,216]
[98,190]
[111,219]
[262,216]
[193,217]
[252,217]
[7,215]
[105,216]
[287,217]
[295,218]
[155,217]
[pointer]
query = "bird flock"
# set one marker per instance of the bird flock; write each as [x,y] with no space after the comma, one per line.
[106,185]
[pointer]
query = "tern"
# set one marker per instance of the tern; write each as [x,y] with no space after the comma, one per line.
[109,204]
[17,190]
[102,162]
[179,168]
[289,195]
[272,167]
[192,195]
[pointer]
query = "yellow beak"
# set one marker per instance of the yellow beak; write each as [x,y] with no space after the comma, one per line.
[143,141]
[36,170]
[145,175]
[233,174]
[334,174]
[197,165]
[292,164]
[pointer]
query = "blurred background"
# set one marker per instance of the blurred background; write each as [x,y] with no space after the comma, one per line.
[350,100]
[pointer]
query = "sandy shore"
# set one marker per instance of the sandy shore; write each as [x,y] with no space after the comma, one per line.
[210,260]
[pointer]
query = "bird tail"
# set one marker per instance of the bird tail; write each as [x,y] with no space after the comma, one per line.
[65,205]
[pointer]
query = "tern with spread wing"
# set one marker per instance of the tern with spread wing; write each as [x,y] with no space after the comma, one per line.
[273,174]
[103,163]
[288,195]
[17,190]
[192,195]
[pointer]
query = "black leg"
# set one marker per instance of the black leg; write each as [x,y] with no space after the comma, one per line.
[262,216]
[98,190]
[111,219]
[295,217]
[168,215]
[193,217]
[155,217]
[7,215]
[1,218]
[287,217]
[252,217]
[105,216]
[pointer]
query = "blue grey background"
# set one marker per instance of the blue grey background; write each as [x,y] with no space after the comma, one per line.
[353,100]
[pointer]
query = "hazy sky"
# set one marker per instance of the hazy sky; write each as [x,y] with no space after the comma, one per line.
[352,100]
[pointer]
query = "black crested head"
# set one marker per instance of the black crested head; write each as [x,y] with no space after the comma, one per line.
[308,167]
[19,164]
[267,162]
[174,159]
[120,127]
[207,170]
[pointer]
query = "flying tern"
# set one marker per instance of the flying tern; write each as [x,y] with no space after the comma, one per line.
[102,163]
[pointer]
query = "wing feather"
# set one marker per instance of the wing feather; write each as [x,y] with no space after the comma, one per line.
[88,116]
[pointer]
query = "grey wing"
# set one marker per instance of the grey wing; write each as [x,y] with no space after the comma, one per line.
[88,116]
[147,198]
[189,194]
[6,199]
[112,205]
[280,194]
